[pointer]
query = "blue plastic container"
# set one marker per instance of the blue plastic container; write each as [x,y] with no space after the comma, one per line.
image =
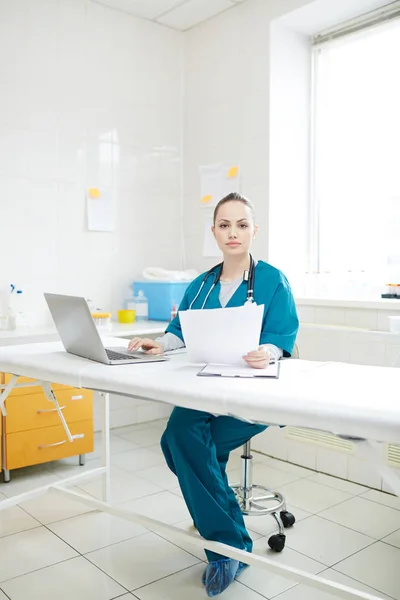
[161,296]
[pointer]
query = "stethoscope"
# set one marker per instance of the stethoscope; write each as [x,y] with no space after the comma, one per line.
[216,271]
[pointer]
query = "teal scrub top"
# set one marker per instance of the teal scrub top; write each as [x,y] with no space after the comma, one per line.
[271,288]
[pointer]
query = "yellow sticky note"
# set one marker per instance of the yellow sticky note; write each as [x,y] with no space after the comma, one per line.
[233,172]
[94,193]
[206,199]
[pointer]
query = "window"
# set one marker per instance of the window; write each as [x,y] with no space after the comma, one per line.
[355,200]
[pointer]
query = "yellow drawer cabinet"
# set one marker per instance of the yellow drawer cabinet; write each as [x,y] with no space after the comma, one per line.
[50,443]
[32,432]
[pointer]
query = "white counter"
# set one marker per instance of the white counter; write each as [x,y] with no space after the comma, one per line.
[30,335]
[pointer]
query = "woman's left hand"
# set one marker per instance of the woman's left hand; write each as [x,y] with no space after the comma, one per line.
[258,359]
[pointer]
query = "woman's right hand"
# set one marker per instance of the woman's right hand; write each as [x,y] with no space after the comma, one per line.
[147,345]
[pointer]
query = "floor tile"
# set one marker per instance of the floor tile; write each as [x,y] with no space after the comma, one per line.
[31,550]
[325,541]
[157,449]
[117,445]
[49,507]
[15,520]
[393,539]
[141,561]
[338,484]
[266,525]
[282,465]
[383,498]
[124,486]
[311,497]
[376,566]
[96,530]
[165,507]
[76,578]
[159,424]
[187,525]
[187,584]
[24,480]
[370,518]
[177,491]
[66,468]
[303,592]
[269,584]
[143,437]
[264,474]
[137,460]
[161,475]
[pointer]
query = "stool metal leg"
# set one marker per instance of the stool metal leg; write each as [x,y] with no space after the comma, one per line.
[246,479]
[249,502]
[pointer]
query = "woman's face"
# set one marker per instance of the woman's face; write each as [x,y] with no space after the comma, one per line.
[234,228]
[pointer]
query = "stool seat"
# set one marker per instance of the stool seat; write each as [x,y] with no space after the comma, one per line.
[256,500]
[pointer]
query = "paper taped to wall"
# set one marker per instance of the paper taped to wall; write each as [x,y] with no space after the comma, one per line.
[100,209]
[217,181]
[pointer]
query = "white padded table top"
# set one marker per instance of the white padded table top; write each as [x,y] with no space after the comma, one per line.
[341,398]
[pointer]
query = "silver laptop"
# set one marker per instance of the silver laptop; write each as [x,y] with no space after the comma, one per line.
[80,336]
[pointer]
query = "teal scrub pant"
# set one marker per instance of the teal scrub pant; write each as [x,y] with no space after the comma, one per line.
[196,446]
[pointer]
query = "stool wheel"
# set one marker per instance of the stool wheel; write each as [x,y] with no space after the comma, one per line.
[277,542]
[287,518]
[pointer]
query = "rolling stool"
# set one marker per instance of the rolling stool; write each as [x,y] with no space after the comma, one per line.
[248,500]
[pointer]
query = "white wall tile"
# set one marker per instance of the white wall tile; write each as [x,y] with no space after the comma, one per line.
[392,353]
[90,96]
[302,454]
[363,318]
[331,462]
[306,314]
[272,441]
[383,321]
[361,471]
[330,315]
[151,411]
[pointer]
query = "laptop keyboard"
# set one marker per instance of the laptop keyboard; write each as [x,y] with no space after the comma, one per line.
[117,356]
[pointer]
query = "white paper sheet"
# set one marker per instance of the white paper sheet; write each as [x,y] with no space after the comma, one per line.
[100,211]
[217,181]
[221,335]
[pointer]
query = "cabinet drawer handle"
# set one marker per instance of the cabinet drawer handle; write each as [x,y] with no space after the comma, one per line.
[49,410]
[77,397]
[78,436]
[51,445]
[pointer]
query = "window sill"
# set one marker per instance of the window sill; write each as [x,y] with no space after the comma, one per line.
[378,304]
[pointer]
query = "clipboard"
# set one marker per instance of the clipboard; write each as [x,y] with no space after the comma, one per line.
[212,370]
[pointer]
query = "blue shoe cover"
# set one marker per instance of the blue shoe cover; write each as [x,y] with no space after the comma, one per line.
[241,567]
[219,575]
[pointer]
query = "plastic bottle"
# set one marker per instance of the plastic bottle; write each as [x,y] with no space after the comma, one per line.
[11,309]
[142,307]
[130,303]
[20,315]
[174,311]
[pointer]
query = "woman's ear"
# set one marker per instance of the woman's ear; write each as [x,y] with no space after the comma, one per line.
[255,232]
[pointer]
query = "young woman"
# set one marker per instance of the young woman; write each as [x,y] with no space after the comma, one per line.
[196,444]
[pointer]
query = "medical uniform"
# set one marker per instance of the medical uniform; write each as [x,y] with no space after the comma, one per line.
[196,444]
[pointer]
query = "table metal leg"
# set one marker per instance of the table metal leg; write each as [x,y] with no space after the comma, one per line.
[106,447]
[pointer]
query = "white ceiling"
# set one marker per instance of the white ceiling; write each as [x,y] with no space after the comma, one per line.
[178,14]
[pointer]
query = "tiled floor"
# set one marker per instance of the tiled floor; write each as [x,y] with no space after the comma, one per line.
[52,547]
